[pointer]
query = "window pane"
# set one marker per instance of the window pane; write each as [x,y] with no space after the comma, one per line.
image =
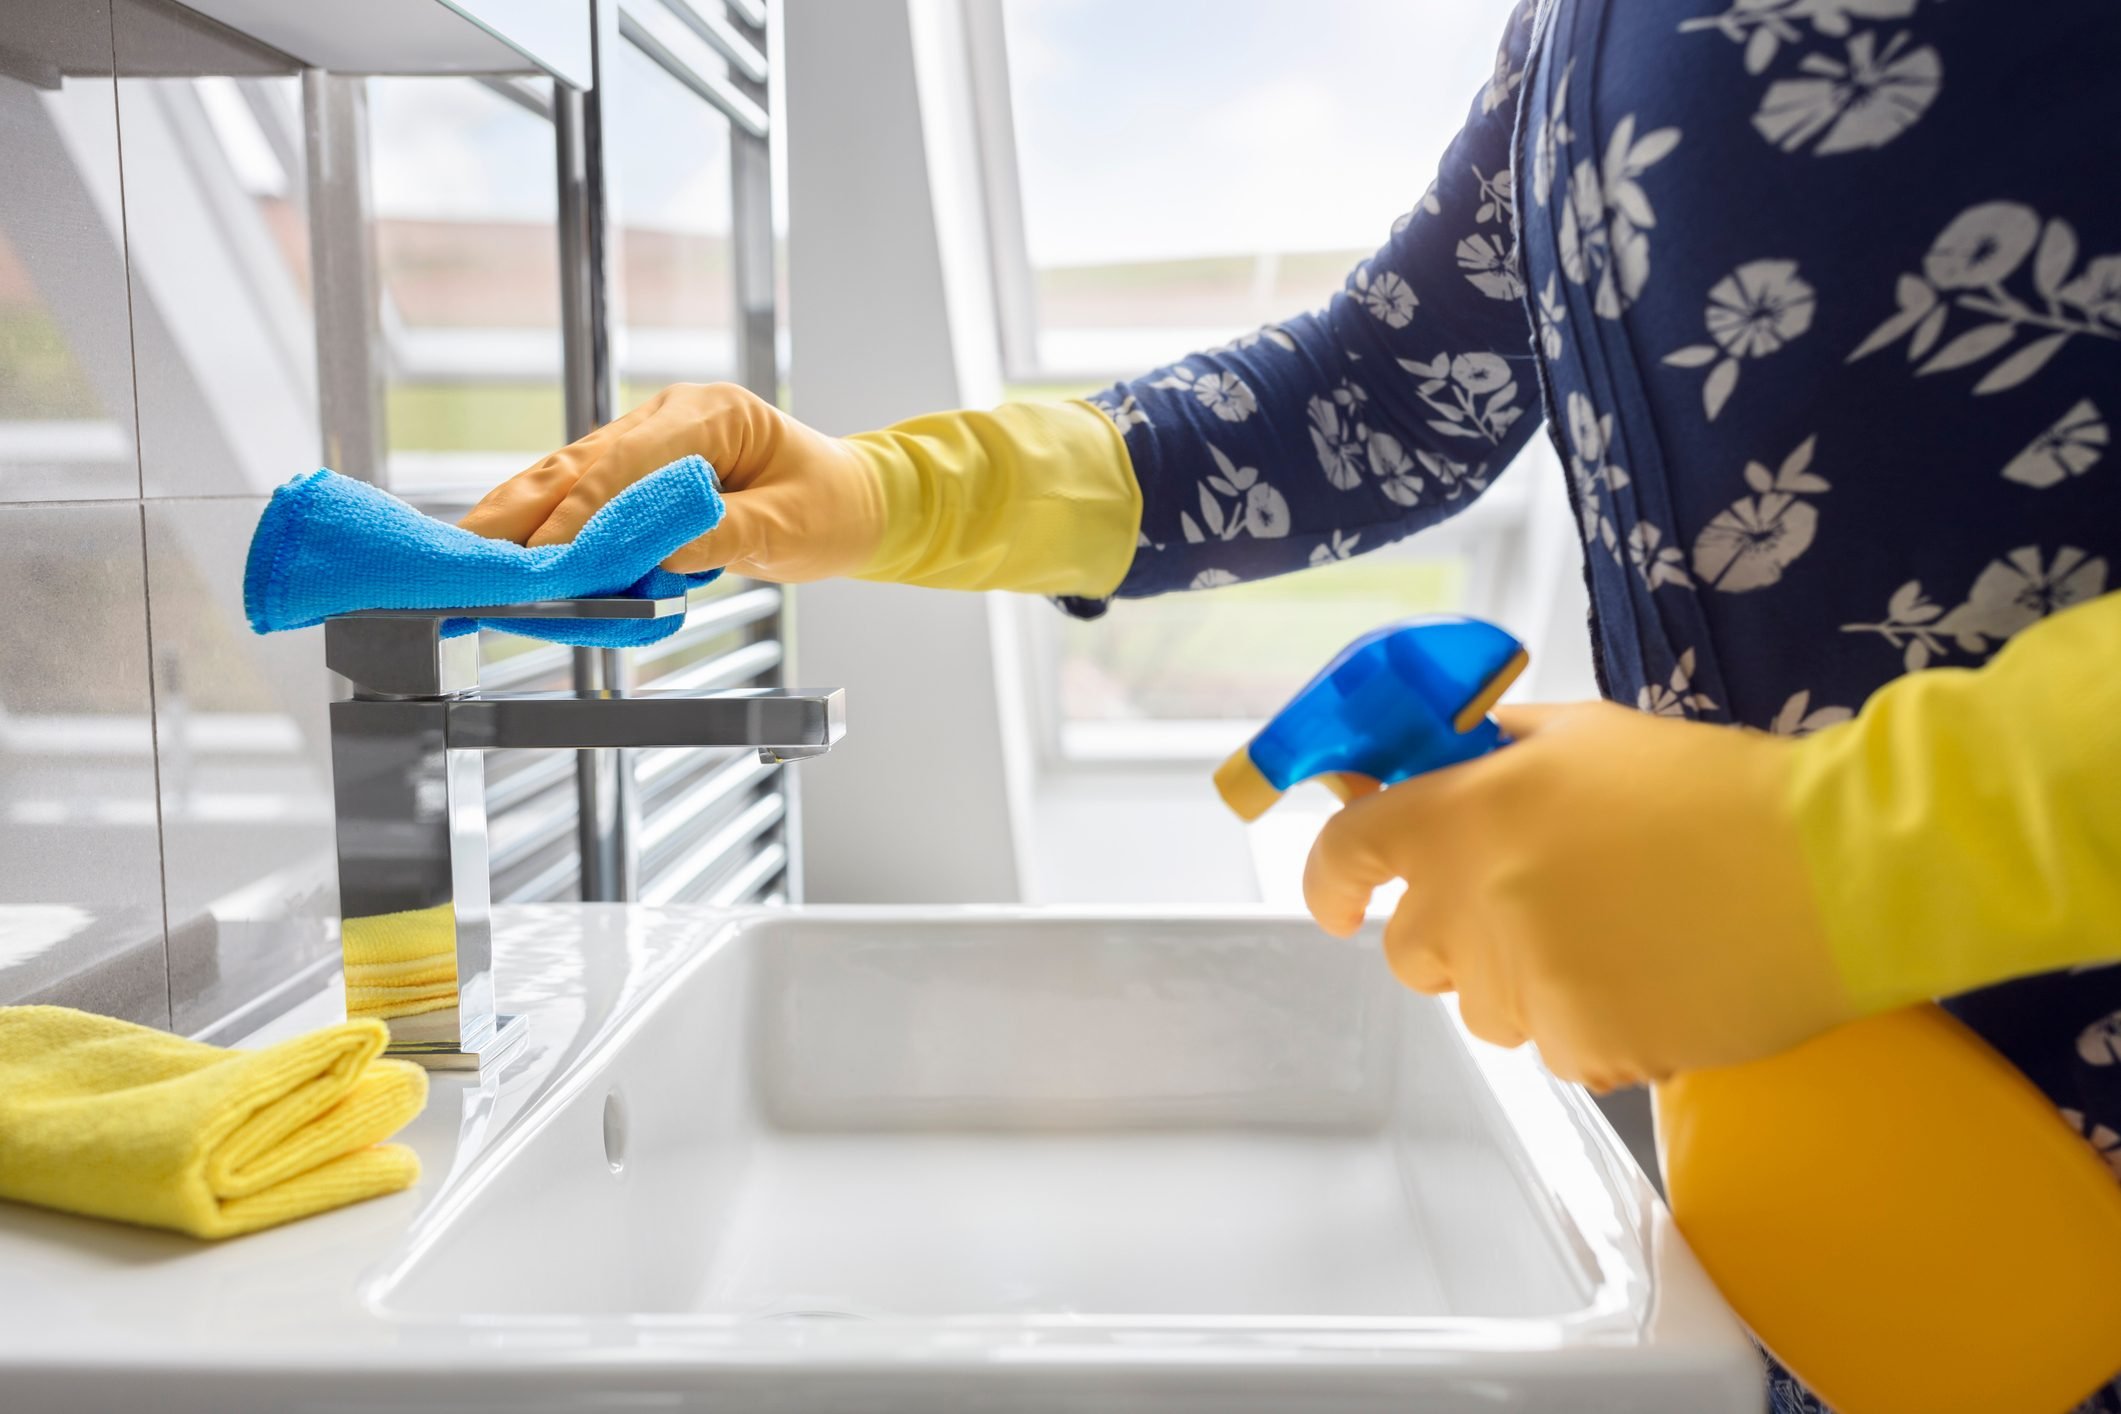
[1194,168]
[1238,652]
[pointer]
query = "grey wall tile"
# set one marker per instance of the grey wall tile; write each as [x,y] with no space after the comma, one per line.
[66,390]
[243,735]
[80,885]
[215,201]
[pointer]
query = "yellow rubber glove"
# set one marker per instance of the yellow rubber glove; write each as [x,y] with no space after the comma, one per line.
[1624,889]
[1644,896]
[1036,498]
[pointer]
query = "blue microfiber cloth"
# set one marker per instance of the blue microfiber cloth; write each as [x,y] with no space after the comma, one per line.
[328,544]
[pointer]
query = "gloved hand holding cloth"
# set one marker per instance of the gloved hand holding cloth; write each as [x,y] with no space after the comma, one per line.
[1030,497]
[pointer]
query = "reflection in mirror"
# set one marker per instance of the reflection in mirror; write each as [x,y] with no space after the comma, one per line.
[670,200]
[80,879]
[66,393]
[467,246]
[218,245]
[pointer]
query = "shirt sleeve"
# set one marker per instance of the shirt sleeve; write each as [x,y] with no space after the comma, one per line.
[1348,428]
[1965,828]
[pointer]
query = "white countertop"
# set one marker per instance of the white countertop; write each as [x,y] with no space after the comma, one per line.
[82,1290]
[99,1315]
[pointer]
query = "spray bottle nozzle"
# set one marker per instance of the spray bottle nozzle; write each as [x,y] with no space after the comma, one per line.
[1400,700]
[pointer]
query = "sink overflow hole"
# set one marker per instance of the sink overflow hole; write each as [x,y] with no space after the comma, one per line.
[615,1131]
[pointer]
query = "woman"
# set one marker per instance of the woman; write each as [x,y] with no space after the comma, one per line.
[1821,302]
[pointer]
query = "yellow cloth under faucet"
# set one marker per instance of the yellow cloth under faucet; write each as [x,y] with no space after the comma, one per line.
[400,964]
[115,1120]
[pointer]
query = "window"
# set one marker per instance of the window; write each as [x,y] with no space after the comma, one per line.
[1191,169]
[1180,173]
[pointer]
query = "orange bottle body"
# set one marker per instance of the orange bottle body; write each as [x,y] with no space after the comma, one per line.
[1903,1219]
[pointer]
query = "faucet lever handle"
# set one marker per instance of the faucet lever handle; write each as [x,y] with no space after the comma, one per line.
[607,607]
[402,653]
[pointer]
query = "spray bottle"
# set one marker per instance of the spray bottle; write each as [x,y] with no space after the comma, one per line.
[1897,1213]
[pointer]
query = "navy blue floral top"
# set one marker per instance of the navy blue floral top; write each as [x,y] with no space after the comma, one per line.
[1820,301]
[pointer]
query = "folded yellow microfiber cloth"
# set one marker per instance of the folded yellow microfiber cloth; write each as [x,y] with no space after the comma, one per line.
[114,1120]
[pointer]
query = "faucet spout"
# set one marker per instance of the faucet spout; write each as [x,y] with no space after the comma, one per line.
[408,775]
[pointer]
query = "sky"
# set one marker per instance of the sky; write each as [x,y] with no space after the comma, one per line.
[1147,129]
[1169,128]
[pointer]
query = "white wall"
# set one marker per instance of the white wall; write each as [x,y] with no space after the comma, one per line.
[890,315]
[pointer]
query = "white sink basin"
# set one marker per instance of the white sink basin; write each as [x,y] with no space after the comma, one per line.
[887,1159]
[1092,1144]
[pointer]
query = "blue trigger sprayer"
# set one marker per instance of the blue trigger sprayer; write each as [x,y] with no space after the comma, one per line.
[1399,701]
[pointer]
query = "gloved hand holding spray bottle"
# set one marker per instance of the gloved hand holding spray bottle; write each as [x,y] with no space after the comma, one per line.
[1895,1211]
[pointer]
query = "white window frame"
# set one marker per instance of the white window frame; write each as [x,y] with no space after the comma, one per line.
[1009,251]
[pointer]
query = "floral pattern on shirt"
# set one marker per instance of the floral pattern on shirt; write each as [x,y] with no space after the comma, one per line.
[1838,88]
[1752,312]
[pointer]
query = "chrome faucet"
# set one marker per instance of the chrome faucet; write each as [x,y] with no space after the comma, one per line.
[408,777]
